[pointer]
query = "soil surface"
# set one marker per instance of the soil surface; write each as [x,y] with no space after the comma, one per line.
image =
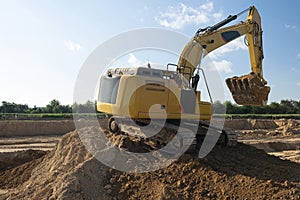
[13,128]
[276,137]
[42,143]
[69,171]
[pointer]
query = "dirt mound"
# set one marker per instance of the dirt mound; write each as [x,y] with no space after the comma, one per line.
[70,172]
[14,177]
[262,124]
[288,127]
[237,173]
[263,129]
[53,173]
[13,159]
[250,124]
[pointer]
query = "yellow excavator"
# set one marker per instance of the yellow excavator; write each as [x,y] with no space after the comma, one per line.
[143,94]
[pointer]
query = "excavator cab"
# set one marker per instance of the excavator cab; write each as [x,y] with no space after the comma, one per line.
[248,90]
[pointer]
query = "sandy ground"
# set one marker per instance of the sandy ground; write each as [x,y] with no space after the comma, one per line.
[285,147]
[43,143]
[13,128]
[264,165]
[280,139]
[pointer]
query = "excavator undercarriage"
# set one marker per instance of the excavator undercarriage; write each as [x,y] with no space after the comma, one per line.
[193,133]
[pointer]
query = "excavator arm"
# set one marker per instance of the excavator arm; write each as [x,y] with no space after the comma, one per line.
[249,89]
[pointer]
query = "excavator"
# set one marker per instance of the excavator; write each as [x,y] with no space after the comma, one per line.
[144,94]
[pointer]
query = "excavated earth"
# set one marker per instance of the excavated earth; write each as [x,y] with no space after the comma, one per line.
[247,171]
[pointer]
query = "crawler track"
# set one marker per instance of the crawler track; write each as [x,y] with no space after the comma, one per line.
[191,133]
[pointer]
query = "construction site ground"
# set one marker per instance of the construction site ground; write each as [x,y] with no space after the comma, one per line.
[265,164]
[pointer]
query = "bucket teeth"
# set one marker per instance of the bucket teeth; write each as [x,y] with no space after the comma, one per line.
[248,90]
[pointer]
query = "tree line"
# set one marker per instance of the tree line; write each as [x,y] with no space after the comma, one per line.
[54,106]
[284,107]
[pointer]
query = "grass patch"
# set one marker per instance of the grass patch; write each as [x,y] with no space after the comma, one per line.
[259,116]
[41,116]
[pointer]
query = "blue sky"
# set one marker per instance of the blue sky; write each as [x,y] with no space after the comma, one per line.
[44,43]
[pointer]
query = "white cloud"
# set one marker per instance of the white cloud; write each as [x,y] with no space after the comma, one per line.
[298,83]
[298,56]
[72,46]
[234,45]
[181,15]
[220,66]
[288,26]
[218,15]
[209,6]
[134,61]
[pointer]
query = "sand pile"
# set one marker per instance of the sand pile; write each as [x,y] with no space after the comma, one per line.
[70,172]
[251,124]
[12,159]
[240,173]
[63,173]
[288,127]
[256,129]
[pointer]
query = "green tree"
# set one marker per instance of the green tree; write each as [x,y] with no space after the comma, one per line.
[230,108]
[88,107]
[35,110]
[273,108]
[8,107]
[219,108]
[288,106]
[55,107]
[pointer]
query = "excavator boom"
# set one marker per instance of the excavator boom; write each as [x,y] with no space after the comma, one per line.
[249,89]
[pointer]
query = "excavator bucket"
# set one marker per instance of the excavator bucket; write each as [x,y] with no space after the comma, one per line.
[248,90]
